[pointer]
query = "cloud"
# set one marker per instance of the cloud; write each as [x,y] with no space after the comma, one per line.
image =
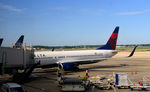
[9,7]
[92,12]
[132,13]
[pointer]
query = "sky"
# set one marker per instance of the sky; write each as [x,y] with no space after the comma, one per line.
[74,22]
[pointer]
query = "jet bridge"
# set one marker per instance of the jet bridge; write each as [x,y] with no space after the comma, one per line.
[12,59]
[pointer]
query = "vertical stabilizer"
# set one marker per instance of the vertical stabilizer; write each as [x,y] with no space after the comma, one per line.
[19,42]
[111,43]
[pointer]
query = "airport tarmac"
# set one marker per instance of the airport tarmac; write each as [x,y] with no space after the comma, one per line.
[137,67]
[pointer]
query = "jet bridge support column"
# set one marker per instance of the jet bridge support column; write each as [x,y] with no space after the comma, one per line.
[23,77]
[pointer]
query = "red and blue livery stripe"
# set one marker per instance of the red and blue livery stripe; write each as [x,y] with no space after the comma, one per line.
[111,43]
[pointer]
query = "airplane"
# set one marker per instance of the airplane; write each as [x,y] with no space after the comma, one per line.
[1,40]
[72,59]
[19,42]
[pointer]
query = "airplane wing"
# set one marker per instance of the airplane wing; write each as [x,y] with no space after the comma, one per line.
[68,64]
[89,61]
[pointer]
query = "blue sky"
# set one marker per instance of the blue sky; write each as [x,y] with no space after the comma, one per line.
[74,22]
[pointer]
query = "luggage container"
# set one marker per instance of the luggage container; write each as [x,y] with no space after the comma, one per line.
[121,80]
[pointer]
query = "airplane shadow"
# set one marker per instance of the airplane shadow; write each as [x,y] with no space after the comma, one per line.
[98,66]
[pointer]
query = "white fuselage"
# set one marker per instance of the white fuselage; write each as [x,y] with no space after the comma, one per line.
[79,57]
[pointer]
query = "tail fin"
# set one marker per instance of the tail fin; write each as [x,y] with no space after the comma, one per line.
[1,40]
[19,43]
[53,49]
[111,43]
[133,51]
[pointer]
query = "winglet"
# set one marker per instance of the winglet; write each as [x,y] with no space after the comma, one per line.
[132,53]
[19,42]
[1,40]
[111,43]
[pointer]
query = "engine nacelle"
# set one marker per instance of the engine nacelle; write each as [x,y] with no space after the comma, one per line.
[69,66]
